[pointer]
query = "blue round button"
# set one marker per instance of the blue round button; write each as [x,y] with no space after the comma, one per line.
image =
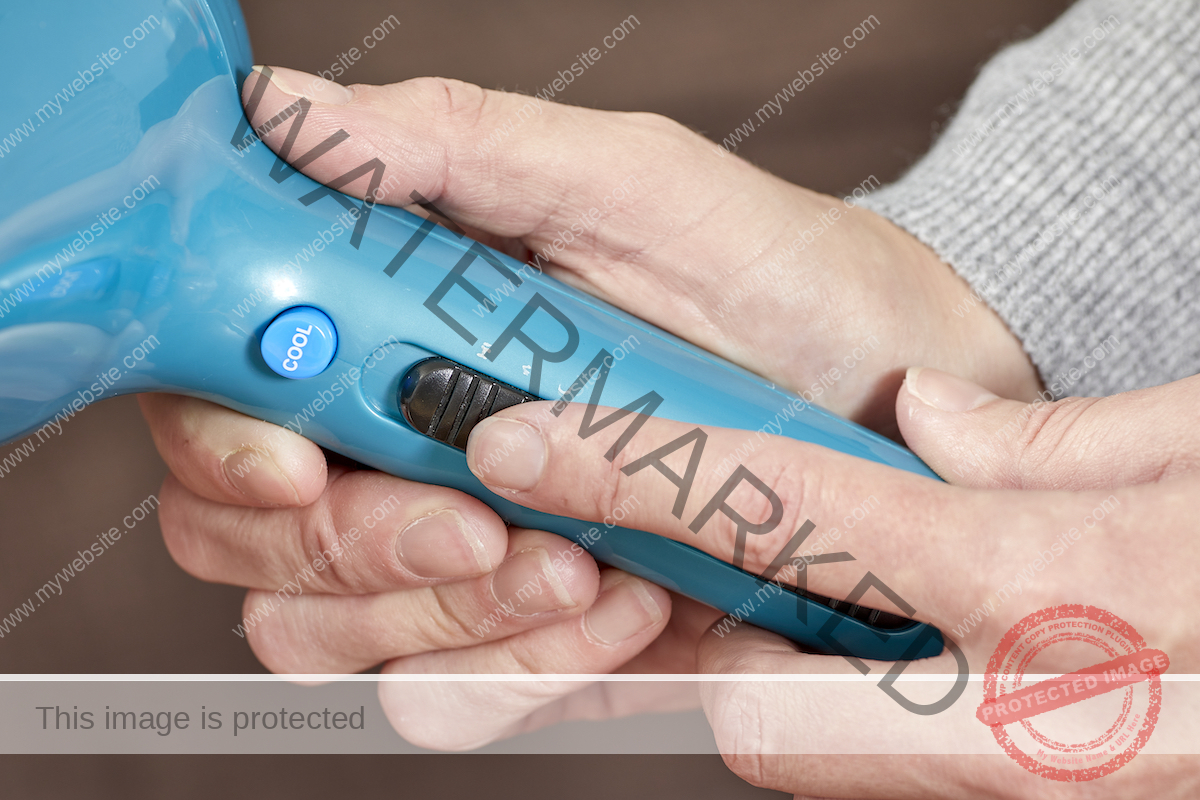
[299,343]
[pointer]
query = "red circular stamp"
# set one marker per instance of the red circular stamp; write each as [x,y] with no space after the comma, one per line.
[1082,725]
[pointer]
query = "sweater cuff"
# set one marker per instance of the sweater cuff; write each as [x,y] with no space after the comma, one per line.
[1065,193]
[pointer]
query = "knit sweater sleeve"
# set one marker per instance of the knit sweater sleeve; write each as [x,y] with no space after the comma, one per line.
[1066,192]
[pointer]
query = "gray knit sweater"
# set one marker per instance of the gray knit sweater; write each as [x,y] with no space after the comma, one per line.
[1066,191]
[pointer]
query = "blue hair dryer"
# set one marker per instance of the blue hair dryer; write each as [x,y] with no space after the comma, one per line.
[149,242]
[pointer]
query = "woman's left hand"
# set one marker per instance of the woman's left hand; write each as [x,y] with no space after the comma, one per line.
[1104,518]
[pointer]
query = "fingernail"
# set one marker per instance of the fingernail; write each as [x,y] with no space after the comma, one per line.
[528,584]
[253,473]
[442,545]
[506,454]
[314,87]
[625,609]
[944,391]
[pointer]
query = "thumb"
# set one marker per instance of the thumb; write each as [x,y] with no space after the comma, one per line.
[511,165]
[971,437]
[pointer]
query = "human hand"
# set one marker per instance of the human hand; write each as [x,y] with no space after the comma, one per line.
[350,568]
[1096,473]
[810,292]
[1120,470]
[709,283]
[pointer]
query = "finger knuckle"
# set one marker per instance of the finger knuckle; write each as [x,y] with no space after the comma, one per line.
[448,99]
[444,626]
[186,548]
[749,766]
[523,660]
[747,718]
[1048,429]
[318,550]
[617,487]
[658,125]
[790,485]
[796,487]
[270,636]
[738,729]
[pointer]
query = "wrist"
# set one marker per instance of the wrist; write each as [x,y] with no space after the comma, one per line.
[937,320]
[967,334]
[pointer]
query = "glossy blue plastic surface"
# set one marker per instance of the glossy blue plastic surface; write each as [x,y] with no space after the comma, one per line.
[141,251]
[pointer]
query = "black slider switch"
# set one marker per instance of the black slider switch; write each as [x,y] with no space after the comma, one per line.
[446,400]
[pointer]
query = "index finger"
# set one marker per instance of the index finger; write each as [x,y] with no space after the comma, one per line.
[228,457]
[933,545]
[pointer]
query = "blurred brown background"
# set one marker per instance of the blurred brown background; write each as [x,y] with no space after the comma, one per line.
[709,65]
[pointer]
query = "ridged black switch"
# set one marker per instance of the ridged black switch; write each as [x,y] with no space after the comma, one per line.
[446,400]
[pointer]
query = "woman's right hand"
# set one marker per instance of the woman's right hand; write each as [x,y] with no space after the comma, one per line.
[699,243]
